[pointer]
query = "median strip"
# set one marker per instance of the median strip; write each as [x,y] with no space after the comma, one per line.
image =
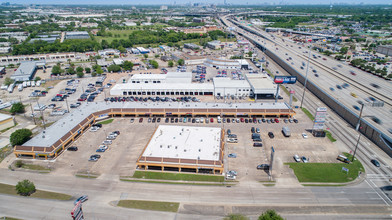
[150,205]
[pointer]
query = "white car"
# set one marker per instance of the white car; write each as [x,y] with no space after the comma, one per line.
[94,129]
[296,158]
[103,147]
[305,136]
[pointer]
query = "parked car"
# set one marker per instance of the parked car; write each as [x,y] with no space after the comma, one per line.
[140,120]
[304,159]
[271,135]
[232,172]
[257,144]
[305,136]
[73,148]
[263,167]
[232,155]
[296,158]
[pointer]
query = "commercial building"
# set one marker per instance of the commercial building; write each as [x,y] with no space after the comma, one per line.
[262,86]
[189,59]
[142,50]
[76,35]
[226,64]
[184,149]
[118,61]
[109,52]
[191,46]
[25,72]
[46,39]
[6,121]
[216,44]
[56,138]
[4,50]
[228,87]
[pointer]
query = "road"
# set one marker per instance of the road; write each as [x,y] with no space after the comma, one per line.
[329,78]
[106,189]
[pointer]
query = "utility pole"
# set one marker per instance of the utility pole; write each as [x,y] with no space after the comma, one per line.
[32,112]
[42,114]
[306,77]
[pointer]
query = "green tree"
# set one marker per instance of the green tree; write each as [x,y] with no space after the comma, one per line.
[114,68]
[154,64]
[71,70]
[25,188]
[344,50]
[270,215]
[80,74]
[389,76]
[127,65]
[79,69]
[87,69]
[181,62]
[17,108]
[8,81]
[145,56]
[99,70]
[20,136]
[170,63]
[56,70]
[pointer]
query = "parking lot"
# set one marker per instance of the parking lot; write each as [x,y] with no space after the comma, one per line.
[120,157]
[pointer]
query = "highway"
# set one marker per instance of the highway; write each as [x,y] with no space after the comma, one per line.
[331,73]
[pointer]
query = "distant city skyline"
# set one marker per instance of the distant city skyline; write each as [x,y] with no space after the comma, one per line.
[171,2]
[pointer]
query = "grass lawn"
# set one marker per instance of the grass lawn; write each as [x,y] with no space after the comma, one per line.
[150,205]
[106,122]
[35,167]
[327,172]
[177,183]
[10,190]
[177,176]
[329,136]
[307,112]
[8,218]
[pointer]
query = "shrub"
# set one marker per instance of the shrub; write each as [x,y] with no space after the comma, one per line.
[17,108]
[25,188]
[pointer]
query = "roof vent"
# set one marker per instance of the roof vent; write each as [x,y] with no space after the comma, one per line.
[184,150]
[199,150]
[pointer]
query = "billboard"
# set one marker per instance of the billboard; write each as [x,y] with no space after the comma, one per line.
[285,79]
[319,119]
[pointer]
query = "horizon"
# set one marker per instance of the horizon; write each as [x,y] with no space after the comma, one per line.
[217,2]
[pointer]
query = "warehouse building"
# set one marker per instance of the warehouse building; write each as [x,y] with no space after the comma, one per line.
[109,52]
[76,35]
[227,64]
[262,86]
[25,72]
[184,149]
[142,50]
[191,46]
[228,87]
[385,49]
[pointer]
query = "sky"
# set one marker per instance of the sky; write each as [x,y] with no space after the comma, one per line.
[169,2]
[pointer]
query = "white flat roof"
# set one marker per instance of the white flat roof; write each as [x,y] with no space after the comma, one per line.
[164,86]
[4,117]
[148,76]
[222,82]
[185,142]
[260,81]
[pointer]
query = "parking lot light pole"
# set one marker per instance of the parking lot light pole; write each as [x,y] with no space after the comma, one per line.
[306,77]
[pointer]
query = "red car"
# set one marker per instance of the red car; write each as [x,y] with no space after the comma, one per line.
[211,120]
[82,99]
[242,119]
[140,120]
[353,73]
[276,120]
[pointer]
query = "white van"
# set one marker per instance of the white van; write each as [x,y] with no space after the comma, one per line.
[107,142]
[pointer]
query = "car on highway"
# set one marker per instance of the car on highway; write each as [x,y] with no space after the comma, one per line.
[372,99]
[345,85]
[338,86]
[305,136]
[375,85]
[332,89]
[375,162]
[339,65]
[263,167]
[315,71]
[304,159]
[232,155]
[356,107]
[377,120]
[81,199]
[316,75]
[354,95]
[296,158]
